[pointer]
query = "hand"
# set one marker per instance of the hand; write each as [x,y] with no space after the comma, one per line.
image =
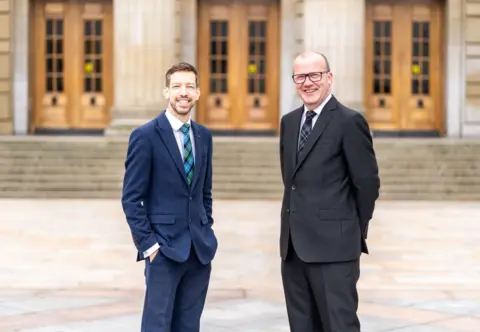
[152,256]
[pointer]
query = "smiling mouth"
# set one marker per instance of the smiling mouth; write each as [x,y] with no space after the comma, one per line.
[310,90]
[183,102]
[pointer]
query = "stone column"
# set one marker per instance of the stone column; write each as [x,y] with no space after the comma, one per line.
[188,35]
[20,72]
[454,65]
[291,32]
[6,119]
[336,28]
[471,57]
[146,45]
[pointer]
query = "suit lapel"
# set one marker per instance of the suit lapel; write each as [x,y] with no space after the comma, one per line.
[322,122]
[199,152]
[166,133]
[297,119]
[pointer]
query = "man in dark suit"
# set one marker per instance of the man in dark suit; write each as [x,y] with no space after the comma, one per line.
[331,181]
[167,200]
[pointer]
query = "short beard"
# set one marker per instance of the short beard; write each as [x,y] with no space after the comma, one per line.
[172,106]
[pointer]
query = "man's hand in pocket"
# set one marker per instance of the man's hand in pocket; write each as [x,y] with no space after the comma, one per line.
[152,256]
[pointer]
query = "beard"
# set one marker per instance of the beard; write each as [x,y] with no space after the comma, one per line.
[181,110]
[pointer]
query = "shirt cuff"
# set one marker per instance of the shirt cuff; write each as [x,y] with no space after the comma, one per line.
[151,250]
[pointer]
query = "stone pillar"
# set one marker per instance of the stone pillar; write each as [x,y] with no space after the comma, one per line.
[146,45]
[20,67]
[471,19]
[188,35]
[337,29]
[454,68]
[6,118]
[291,32]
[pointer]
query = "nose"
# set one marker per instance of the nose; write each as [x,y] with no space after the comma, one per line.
[308,82]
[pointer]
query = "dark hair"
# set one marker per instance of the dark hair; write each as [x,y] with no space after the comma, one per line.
[181,66]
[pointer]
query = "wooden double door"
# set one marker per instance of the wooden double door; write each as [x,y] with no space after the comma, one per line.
[72,64]
[404,66]
[238,62]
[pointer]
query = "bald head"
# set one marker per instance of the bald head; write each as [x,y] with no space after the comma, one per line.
[313,56]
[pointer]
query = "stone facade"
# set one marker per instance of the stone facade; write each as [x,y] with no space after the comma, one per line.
[161,32]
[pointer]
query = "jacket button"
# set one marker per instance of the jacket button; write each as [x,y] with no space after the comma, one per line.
[293,187]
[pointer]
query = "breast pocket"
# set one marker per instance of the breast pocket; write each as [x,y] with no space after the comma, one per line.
[326,148]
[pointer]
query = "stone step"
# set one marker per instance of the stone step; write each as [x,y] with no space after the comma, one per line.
[243,168]
[239,144]
[251,179]
[232,159]
[109,167]
[233,195]
[65,161]
[244,172]
[386,187]
[232,149]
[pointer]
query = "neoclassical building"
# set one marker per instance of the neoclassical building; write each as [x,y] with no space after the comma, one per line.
[97,66]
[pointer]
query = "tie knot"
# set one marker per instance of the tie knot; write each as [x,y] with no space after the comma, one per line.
[184,129]
[310,115]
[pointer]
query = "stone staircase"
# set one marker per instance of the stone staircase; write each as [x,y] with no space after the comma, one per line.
[244,168]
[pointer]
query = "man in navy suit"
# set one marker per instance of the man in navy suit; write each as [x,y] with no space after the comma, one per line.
[167,200]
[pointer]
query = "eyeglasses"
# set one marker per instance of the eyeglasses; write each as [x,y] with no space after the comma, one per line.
[314,77]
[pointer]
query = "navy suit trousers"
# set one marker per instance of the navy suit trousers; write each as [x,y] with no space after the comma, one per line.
[175,294]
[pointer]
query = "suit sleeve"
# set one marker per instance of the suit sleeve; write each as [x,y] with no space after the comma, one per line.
[207,185]
[362,166]
[135,187]
[282,131]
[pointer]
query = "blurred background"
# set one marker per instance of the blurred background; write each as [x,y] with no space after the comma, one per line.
[76,76]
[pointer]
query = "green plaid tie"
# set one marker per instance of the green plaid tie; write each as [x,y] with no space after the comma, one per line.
[188,162]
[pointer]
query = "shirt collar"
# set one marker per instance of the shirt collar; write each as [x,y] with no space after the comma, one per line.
[320,107]
[174,122]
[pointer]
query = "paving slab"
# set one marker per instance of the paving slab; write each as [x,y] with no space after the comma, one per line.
[69,266]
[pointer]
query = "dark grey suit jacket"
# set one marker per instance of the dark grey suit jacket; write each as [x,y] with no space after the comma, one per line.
[330,187]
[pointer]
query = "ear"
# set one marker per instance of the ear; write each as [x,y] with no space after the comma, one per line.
[165,92]
[198,93]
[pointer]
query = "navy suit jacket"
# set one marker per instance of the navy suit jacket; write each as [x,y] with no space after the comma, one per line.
[159,205]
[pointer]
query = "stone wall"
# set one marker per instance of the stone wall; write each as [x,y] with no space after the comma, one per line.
[6,119]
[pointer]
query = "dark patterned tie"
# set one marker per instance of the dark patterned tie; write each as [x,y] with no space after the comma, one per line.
[306,130]
[188,162]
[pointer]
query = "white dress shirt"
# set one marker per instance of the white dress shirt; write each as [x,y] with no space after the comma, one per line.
[176,124]
[317,111]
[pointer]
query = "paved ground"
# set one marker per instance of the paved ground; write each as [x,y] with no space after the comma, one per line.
[69,266]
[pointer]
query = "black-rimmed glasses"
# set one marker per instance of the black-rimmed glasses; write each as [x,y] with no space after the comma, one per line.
[314,77]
